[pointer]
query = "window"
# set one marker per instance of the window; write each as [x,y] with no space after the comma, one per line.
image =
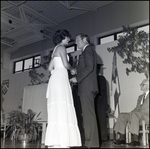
[144,28]
[120,34]
[37,61]
[115,36]
[106,39]
[71,48]
[27,64]
[18,66]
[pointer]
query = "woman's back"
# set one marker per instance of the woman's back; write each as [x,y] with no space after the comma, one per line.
[58,62]
[60,57]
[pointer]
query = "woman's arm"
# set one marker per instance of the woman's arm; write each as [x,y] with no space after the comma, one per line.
[63,55]
[51,65]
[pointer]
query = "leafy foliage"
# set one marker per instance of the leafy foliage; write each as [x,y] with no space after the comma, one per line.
[23,123]
[133,47]
[35,77]
[47,59]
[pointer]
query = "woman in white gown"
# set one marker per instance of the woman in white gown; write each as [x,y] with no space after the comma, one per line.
[62,129]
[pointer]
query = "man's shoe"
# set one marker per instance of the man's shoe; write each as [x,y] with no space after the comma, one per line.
[120,142]
[134,143]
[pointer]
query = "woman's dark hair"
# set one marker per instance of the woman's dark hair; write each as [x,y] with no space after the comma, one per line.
[82,35]
[60,35]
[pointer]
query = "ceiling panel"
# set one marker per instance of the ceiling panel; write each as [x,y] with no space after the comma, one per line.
[25,18]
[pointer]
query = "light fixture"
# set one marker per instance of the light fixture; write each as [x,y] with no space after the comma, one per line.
[10,21]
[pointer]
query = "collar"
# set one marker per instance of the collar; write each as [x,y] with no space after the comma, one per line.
[85,47]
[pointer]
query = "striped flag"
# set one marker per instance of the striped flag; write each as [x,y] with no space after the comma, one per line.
[115,89]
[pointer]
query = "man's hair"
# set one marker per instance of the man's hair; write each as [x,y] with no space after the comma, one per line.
[82,35]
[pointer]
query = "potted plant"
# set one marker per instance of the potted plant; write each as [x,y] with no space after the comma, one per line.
[23,126]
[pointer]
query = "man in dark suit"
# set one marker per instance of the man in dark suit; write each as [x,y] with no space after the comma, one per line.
[101,104]
[140,112]
[87,87]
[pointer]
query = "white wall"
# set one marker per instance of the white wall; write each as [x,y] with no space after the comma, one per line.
[12,99]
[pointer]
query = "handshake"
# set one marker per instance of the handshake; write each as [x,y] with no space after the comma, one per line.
[73,72]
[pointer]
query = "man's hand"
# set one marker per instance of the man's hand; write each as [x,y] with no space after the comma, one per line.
[74,80]
[73,71]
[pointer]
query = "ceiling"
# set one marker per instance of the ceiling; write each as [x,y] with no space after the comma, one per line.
[26,22]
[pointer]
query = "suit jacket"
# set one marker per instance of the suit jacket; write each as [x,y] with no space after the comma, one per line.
[86,71]
[144,108]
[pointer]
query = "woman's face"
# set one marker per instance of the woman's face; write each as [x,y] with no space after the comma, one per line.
[66,40]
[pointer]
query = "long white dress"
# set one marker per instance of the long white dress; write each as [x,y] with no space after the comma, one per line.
[62,129]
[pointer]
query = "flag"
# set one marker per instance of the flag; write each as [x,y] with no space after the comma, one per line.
[115,89]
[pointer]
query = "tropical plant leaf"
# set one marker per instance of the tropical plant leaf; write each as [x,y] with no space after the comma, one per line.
[20,122]
[133,41]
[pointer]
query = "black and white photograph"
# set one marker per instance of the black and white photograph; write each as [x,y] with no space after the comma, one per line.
[74,74]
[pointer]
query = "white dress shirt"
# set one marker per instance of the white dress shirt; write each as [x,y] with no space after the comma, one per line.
[85,47]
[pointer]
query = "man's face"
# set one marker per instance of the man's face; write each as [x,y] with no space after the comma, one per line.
[144,86]
[80,43]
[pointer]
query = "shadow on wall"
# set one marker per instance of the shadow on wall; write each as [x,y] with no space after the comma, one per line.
[99,61]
